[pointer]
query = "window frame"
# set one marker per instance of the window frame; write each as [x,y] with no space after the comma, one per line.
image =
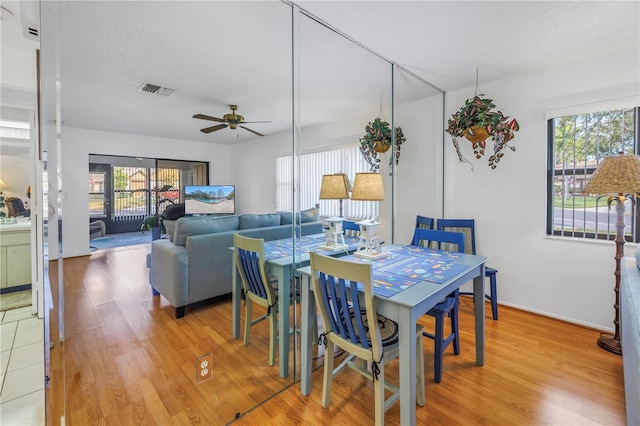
[634,235]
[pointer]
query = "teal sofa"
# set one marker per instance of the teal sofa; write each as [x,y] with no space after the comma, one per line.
[194,263]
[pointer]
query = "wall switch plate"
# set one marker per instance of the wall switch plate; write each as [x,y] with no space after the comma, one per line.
[204,367]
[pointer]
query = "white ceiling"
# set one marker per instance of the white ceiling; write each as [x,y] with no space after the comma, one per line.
[217,53]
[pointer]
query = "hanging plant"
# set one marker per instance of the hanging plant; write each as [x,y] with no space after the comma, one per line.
[477,121]
[377,139]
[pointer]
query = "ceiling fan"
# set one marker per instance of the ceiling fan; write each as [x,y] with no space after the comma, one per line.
[232,121]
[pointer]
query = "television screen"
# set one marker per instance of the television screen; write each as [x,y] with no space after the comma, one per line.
[209,199]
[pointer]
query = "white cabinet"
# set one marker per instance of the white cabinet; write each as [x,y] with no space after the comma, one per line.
[15,255]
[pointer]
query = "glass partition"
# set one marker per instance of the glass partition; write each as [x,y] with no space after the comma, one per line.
[326,88]
[419,111]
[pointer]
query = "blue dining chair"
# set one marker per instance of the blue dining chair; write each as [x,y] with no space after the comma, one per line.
[423,222]
[447,306]
[250,261]
[468,227]
[350,321]
[350,228]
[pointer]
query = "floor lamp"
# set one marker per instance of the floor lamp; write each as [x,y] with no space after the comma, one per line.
[616,176]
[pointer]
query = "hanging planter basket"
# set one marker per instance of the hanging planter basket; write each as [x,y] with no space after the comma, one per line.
[378,140]
[478,121]
[380,146]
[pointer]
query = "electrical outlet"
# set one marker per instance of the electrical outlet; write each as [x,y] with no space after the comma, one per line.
[204,367]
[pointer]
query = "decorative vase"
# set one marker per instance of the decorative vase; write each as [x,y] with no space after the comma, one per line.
[155,233]
[476,134]
[380,146]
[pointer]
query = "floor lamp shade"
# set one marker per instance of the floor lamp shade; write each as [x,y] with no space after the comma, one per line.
[616,176]
[368,187]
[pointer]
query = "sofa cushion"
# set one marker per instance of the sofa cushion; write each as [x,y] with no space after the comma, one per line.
[170,227]
[248,221]
[308,215]
[188,226]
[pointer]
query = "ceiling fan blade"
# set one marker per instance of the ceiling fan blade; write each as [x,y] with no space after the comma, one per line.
[208,117]
[213,128]
[252,131]
[245,122]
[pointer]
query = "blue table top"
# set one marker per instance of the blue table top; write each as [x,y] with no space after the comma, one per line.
[405,266]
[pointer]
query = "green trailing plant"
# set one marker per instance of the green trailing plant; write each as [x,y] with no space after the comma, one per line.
[150,222]
[378,139]
[477,121]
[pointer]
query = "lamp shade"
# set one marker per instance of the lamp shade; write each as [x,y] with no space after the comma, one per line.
[2,184]
[368,187]
[616,175]
[334,187]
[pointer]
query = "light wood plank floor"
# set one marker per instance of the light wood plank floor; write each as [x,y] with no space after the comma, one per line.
[126,360]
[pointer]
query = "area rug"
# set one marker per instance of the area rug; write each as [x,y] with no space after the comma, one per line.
[120,240]
[15,300]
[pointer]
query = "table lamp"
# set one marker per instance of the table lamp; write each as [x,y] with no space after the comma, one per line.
[334,187]
[368,187]
[616,176]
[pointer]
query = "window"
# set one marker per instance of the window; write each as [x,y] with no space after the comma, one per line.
[577,144]
[312,167]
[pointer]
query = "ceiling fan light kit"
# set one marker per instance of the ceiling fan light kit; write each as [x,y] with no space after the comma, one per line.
[232,120]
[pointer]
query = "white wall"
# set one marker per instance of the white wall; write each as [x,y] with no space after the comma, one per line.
[559,277]
[77,144]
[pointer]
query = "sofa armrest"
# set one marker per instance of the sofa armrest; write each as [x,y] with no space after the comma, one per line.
[169,271]
[209,265]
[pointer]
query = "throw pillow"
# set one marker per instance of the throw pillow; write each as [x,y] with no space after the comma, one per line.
[174,211]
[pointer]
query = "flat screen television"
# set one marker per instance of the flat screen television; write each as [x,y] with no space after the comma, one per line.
[209,199]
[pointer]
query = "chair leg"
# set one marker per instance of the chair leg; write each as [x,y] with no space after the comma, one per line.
[378,387]
[420,391]
[328,374]
[494,295]
[247,320]
[455,327]
[438,352]
[273,333]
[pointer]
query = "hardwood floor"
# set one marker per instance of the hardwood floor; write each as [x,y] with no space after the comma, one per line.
[126,360]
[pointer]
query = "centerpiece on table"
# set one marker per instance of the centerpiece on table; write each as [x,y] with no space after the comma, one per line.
[477,121]
[377,140]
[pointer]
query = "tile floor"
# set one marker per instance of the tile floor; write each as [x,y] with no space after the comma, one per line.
[21,368]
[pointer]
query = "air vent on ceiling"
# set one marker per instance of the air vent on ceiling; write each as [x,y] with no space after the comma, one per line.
[156,90]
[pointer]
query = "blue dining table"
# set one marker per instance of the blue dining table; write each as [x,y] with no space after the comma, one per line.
[407,283]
